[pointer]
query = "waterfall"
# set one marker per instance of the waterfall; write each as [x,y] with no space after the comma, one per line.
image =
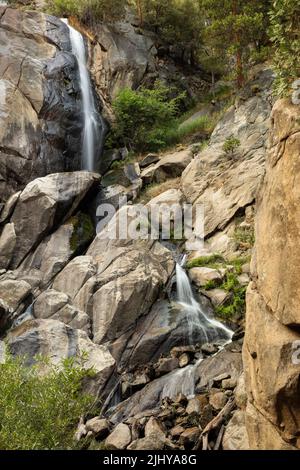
[201,328]
[94,126]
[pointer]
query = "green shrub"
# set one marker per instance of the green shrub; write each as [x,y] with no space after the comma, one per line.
[236,305]
[231,144]
[41,411]
[245,237]
[144,118]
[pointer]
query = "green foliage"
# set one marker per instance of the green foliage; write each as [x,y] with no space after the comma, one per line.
[144,118]
[89,11]
[245,237]
[176,22]
[209,261]
[232,28]
[236,305]
[41,410]
[231,144]
[285,36]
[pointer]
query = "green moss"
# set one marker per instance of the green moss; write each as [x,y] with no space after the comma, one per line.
[213,261]
[83,231]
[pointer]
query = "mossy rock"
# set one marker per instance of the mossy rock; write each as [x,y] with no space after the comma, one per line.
[83,231]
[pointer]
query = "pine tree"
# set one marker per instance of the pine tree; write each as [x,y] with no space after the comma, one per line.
[232,26]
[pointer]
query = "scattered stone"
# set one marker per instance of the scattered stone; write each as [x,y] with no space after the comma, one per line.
[154,427]
[218,380]
[194,406]
[182,399]
[189,437]
[218,400]
[120,438]
[184,360]
[229,384]
[99,427]
[209,349]
[178,350]
[153,442]
[246,268]
[177,431]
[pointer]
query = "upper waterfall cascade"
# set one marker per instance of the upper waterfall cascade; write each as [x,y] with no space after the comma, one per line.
[94,126]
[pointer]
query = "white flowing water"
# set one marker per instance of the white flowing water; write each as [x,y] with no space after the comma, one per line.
[201,328]
[94,127]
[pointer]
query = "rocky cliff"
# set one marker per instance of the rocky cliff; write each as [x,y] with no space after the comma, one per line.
[272,333]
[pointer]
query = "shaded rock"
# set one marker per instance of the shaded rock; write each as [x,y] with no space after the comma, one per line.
[189,437]
[150,159]
[235,435]
[169,166]
[229,384]
[9,207]
[8,241]
[166,365]
[4,315]
[13,293]
[120,438]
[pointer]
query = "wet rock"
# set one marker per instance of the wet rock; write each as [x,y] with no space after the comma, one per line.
[131,385]
[209,349]
[120,438]
[166,365]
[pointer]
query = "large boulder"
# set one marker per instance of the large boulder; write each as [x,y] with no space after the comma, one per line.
[271,349]
[169,166]
[40,123]
[57,341]
[45,203]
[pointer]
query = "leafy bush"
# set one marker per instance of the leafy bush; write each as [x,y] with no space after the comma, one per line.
[285,35]
[231,144]
[41,411]
[236,305]
[144,118]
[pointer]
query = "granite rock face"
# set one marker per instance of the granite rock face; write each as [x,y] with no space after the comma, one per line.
[272,334]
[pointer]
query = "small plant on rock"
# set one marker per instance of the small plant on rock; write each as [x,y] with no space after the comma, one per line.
[231,145]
